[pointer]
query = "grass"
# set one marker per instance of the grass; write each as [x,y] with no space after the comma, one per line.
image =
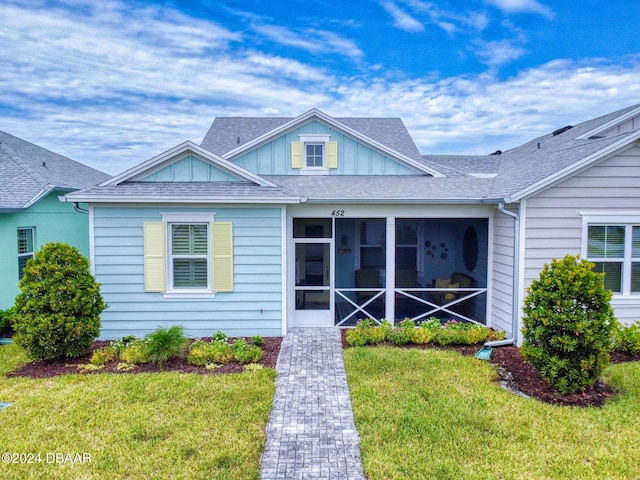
[424,414]
[143,426]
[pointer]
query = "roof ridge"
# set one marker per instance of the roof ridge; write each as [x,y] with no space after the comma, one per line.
[11,154]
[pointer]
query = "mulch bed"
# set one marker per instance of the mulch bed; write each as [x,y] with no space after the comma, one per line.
[513,372]
[42,369]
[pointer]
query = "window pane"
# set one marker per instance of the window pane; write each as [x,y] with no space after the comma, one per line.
[189,239]
[25,240]
[635,243]
[407,257]
[605,241]
[612,275]
[314,154]
[189,273]
[635,277]
[406,232]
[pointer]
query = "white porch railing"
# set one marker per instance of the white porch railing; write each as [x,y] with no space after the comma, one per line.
[420,296]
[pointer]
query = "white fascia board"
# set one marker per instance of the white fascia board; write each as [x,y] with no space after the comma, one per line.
[137,199]
[338,126]
[588,161]
[188,146]
[610,124]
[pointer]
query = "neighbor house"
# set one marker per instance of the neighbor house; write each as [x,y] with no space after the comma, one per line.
[273,223]
[31,179]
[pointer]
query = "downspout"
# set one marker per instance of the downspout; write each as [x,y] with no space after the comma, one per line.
[516,281]
[76,207]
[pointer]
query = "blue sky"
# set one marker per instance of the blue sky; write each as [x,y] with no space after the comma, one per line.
[112,83]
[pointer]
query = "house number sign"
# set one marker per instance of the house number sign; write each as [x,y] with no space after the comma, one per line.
[337,213]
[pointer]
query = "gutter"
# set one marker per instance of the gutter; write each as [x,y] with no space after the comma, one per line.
[516,281]
[76,207]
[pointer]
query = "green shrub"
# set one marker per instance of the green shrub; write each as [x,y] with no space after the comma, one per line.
[165,344]
[59,305]
[219,337]
[257,340]
[462,333]
[103,355]
[202,353]
[423,335]
[567,324]
[402,333]
[134,352]
[6,319]
[367,332]
[626,339]
[243,352]
[118,345]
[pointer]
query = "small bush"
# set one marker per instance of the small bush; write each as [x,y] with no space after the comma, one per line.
[59,305]
[626,339]
[462,333]
[422,335]
[257,340]
[219,337]
[567,324]
[165,344]
[245,353]
[103,355]
[367,332]
[402,333]
[6,320]
[134,353]
[202,353]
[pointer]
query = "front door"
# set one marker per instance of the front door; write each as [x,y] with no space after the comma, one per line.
[313,261]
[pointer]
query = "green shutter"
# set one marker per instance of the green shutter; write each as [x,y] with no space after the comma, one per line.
[296,154]
[222,234]
[332,154]
[155,264]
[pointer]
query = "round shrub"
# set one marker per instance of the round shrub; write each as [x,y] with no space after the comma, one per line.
[567,324]
[59,305]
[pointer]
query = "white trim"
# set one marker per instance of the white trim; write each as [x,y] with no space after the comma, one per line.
[188,217]
[606,126]
[522,288]
[283,270]
[200,199]
[92,241]
[188,146]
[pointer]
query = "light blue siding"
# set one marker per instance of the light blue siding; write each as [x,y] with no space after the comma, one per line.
[190,169]
[254,307]
[354,158]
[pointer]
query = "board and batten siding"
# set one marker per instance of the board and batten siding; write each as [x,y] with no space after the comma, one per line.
[554,223]
[253,308]
[353,158]
[502,272]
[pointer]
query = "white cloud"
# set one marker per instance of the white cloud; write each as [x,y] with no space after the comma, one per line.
[112,96]
[497,53]
[402,19]
[522,6]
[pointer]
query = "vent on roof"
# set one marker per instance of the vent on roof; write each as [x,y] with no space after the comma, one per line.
[497,152]
[562,130]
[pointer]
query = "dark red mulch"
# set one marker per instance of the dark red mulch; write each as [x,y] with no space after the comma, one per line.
[42,369]
[520,376]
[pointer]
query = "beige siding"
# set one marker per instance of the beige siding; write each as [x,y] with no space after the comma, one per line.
[554,224]
[502,273]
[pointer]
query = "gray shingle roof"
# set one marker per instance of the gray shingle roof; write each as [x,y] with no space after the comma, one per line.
[224,132]
[27,170]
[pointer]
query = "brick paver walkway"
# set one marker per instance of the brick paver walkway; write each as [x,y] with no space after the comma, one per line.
[311,433]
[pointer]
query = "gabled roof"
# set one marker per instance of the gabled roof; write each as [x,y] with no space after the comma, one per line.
[29,172]
[174,153]
[552,158]
[230,137]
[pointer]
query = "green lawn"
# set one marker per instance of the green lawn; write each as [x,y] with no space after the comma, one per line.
[145,426]
[429,414]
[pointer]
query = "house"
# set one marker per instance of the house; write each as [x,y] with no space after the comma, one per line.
[273,223]
[31,179]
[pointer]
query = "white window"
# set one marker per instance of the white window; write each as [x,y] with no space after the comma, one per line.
[25,248]
[615,251]
[189,256]
[314,155]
